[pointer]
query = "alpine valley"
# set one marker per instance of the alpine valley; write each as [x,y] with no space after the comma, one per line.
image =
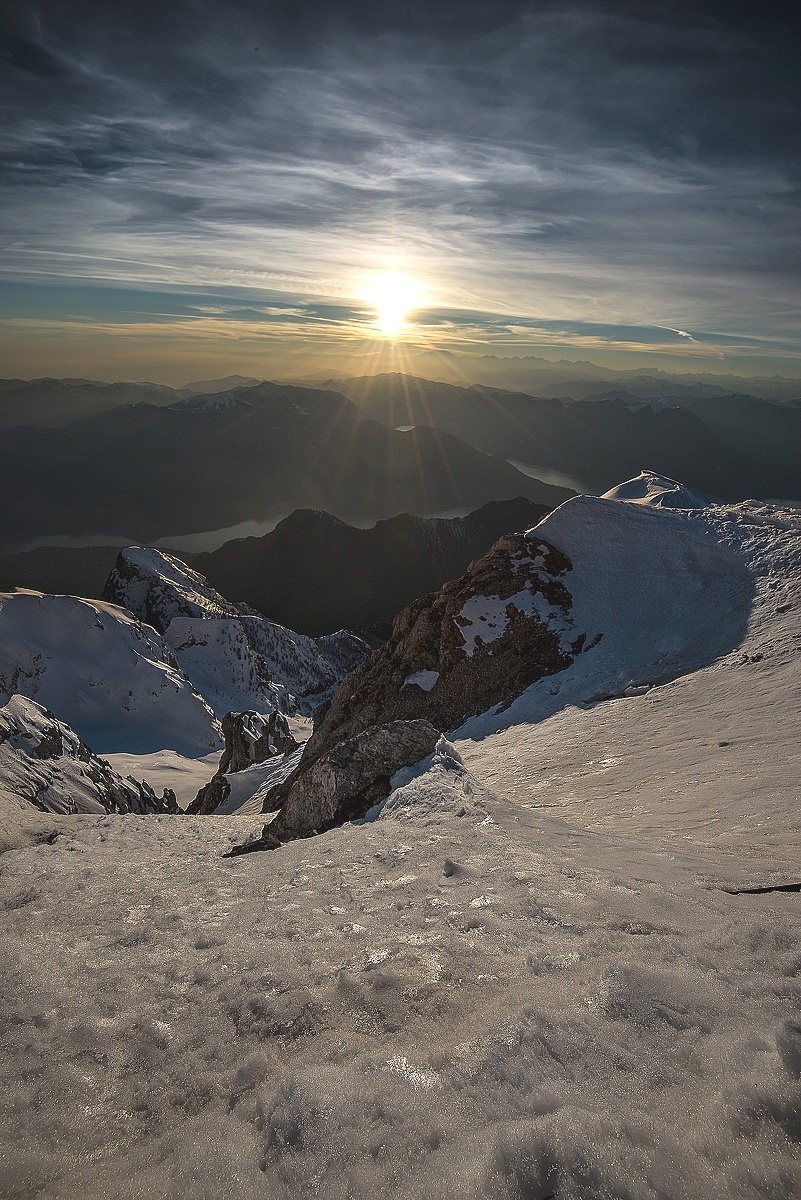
[420,816]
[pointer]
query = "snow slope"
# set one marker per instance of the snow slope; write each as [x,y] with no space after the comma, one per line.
[657,592]
[682,724]
[157,587]
[566,991]
[102,672]
[131,687]
[464,998]
[659,491]
[234,657]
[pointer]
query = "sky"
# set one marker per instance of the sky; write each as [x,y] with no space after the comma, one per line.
[196,188]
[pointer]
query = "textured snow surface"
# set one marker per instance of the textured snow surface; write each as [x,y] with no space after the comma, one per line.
[549,994]
[464,998]
[105,674]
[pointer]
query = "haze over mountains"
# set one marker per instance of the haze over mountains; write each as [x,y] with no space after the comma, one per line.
[732,445]
[143,462]
[210,462]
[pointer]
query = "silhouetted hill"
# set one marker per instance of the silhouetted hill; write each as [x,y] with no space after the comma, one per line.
[731,446]
[145,472]
[315,573]
[50,403]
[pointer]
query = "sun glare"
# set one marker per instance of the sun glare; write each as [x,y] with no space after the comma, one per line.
[393,297]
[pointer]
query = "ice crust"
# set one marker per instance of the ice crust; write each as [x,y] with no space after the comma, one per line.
[523,980]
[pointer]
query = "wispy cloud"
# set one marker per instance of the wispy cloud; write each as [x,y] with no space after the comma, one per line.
[600,164]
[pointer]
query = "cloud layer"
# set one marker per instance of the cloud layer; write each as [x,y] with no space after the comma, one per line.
[547,171]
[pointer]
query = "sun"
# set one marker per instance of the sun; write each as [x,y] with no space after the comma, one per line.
[393,296]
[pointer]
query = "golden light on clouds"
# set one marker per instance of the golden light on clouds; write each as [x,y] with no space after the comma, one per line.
[394,296]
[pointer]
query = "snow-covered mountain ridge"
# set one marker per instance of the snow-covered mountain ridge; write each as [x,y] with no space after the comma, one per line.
[108,675]
[540,975]
[604,598]
[234,657]
[129,687]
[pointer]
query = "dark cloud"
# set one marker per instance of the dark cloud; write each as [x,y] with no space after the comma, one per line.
[623,159]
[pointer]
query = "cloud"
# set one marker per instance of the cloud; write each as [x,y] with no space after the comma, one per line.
[620,165]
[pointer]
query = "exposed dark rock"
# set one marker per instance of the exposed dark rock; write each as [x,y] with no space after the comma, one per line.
[463,664]
[346,782]
[44,762]
[315,573]
[479,641]
[250,737]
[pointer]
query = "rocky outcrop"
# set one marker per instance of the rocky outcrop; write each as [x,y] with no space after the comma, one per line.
[343,651]
[346,782]
[157,587]
[478,642]
[44,762]
[250,738]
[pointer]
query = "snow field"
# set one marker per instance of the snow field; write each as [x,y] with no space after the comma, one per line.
[493,1005]
[709,757]
[102,672]
[540,991]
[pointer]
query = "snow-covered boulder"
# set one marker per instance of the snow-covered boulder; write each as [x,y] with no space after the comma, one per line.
[346,782]
[250,738]
[44,763]
[107,675]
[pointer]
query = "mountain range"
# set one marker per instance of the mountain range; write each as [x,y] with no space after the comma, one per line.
[211,462]
[317,574]
[733,446]
[145,462]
